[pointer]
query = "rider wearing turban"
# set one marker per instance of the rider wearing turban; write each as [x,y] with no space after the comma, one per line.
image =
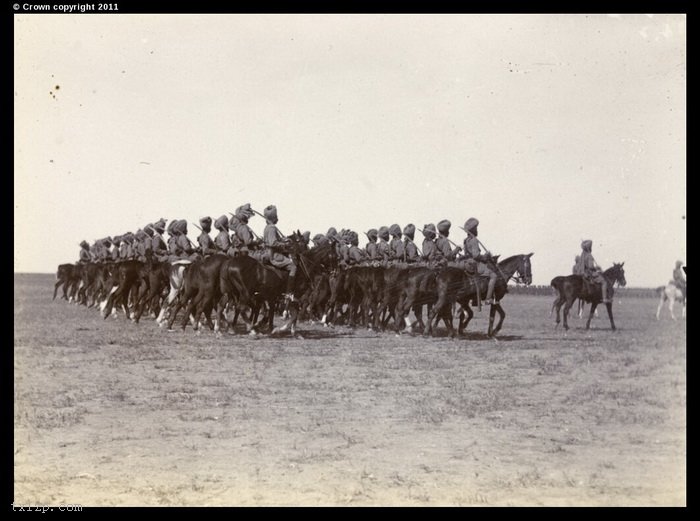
[409,247]
[158,246]
[245,238]
[472,250]
[371,248]
[383,249]
[430,253]
[222,240]
[273,240]
[355,254]
[395,245]
[442,243]
[206,245]
[679,277]
[84,256]
[184,246]
[591,271]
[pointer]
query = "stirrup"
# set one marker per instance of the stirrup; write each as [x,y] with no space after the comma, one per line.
[289,297]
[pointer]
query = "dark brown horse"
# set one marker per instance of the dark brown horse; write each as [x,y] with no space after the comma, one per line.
[572,287]
[255,284]
[456,285]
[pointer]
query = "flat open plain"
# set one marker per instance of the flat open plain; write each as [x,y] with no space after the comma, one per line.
[108,412]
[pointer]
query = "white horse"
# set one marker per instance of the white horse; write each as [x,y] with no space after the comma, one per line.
[670,293]
[177,277]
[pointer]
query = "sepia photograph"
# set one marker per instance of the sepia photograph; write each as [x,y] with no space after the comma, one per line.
[348,259]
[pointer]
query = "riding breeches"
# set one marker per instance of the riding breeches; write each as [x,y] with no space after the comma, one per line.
[284,263]
[484,270]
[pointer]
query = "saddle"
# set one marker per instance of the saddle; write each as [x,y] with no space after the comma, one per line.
[590,288]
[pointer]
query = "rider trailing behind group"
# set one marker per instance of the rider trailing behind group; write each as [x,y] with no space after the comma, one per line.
[679,277]
[274,241]
[472,250]
[591,271]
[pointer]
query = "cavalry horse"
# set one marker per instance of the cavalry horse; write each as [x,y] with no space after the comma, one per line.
[670,293]
[176,279]
[457,285]
[254,284]
[572,287]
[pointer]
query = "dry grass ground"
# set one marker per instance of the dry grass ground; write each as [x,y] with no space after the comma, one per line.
[113,413]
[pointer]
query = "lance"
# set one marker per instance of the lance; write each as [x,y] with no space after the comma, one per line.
[193,224]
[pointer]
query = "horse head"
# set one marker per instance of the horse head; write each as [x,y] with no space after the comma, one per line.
[524,269]
[616,273]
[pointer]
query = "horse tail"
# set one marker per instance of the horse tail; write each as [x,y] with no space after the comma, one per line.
[557,283]
[235,278]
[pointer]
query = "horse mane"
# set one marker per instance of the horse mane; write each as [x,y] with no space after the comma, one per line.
[509,260]
[319,254]
[611,269]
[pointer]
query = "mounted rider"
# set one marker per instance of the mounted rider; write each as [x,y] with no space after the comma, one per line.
[410,250]
[396,250]
[591,271]
[383,248]
[159,249]
[246,242]
[472,250]
[206,244]
[442,243]
[577,269]
[371,250]
[118,246]
[319,239]
[185,247]
[84,255]
[142,246]
[343,246]
[104,255]
[222,241]
[679,277]
[430,254]
[355,254]
[274,241]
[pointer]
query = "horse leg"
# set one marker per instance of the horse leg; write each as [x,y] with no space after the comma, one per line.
[557,307]
[671,302]
[462,321]
[109,302]
[193,308]
[437,308]
[418,313]
[492,316]
[567,307]
[55,288]
[172,295]
[608,306]
[661,304]
[501,316]
[590,315]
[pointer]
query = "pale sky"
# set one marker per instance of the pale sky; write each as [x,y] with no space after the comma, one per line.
[548,129]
